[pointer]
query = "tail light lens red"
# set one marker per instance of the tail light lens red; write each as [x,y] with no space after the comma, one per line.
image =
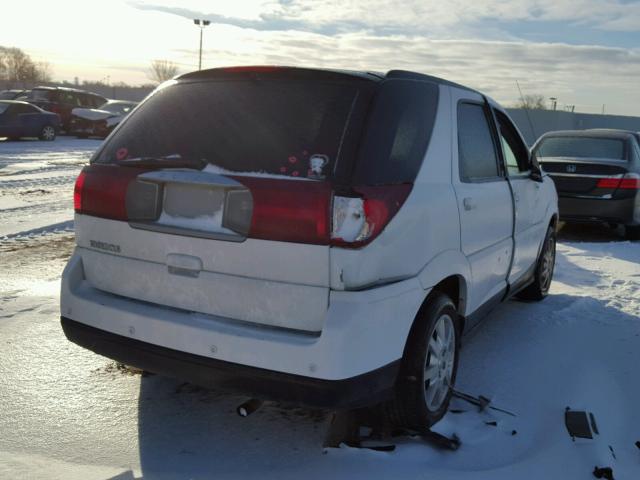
[282,210]
[101,191]
[289,210]
[630,181]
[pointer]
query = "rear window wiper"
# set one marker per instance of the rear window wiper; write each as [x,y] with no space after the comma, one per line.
[169,161]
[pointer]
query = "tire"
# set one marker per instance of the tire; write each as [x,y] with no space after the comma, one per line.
[420,402]
[632,232]
[539,289]
[48,133]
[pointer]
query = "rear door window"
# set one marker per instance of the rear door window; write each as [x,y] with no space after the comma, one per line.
[476,149]
[289,128]
[582,147]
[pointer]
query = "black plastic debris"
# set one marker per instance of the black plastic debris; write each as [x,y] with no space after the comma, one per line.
[578,425]
[377,445]
[491,424]
[638,444]
[603,472]
[480,401]
[441,441]
[613,454]
[592,419]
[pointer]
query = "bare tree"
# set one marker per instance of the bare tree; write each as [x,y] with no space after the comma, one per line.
[162,70]
[531,102]
[17,67]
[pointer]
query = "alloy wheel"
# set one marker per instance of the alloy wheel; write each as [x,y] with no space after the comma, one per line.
[439,363]
[548,262]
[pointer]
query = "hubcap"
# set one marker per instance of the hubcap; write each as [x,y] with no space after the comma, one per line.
[438,368]
[548,262]
[48,133]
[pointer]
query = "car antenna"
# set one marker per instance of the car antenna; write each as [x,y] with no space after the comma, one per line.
[526,109]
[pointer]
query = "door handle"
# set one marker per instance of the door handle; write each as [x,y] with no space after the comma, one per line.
[469,203]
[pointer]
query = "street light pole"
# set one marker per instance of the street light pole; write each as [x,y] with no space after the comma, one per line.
[201,24]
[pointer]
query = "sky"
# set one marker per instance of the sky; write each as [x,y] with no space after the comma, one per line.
[583,52]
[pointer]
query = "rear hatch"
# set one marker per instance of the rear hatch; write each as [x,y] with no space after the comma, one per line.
[223,192]
[588,167]
[215,195]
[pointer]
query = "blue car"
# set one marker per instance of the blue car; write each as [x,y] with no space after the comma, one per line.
[21,119]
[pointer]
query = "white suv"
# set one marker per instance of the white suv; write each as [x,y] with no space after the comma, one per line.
[311,236]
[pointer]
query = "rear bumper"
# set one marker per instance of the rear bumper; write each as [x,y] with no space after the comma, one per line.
[623,211]
[358,391]
[353,360]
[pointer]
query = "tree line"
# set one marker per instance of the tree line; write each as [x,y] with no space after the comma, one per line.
[17,67]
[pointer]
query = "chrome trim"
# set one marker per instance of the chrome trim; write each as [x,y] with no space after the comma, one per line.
[554,174]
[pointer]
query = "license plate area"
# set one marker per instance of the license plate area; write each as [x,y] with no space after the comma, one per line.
[190,203]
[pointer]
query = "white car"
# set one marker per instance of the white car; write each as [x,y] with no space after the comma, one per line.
[311,236]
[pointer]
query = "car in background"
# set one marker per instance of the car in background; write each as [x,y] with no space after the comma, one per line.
[99,122]
[21,119]
[13,94]
[62,100]
[597,175]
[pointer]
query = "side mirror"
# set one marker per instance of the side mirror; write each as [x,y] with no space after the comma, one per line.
[536,171]
[536,175]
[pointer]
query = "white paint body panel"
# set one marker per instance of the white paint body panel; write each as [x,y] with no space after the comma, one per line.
[271,283]
[362,331]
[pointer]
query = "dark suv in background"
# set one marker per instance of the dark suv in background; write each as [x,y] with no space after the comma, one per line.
[62,100]
[597,175]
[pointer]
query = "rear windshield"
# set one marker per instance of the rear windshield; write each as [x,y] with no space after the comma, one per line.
[581,147]
[289,128]
[347,130]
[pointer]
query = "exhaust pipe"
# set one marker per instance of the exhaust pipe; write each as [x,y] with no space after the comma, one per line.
[248,407]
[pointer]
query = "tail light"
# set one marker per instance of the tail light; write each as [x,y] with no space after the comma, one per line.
[630,181]
[289,210]
[101,191]
[280,210]
[359,219]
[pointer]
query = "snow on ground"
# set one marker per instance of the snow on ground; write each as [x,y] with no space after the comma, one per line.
[36,184]
[68,413]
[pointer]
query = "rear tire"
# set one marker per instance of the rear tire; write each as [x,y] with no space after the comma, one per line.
[632,232]
[544,270]
[429,367]
[48,133]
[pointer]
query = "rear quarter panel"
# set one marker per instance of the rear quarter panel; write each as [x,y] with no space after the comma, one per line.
[426,226]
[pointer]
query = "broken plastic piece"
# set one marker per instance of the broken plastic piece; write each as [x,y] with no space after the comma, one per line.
[593,424]
[603,472]
[481,401]
[441,441]
[514,432]
[491,424]
[248,407]
[577,424]
[377,445]
[638,444]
